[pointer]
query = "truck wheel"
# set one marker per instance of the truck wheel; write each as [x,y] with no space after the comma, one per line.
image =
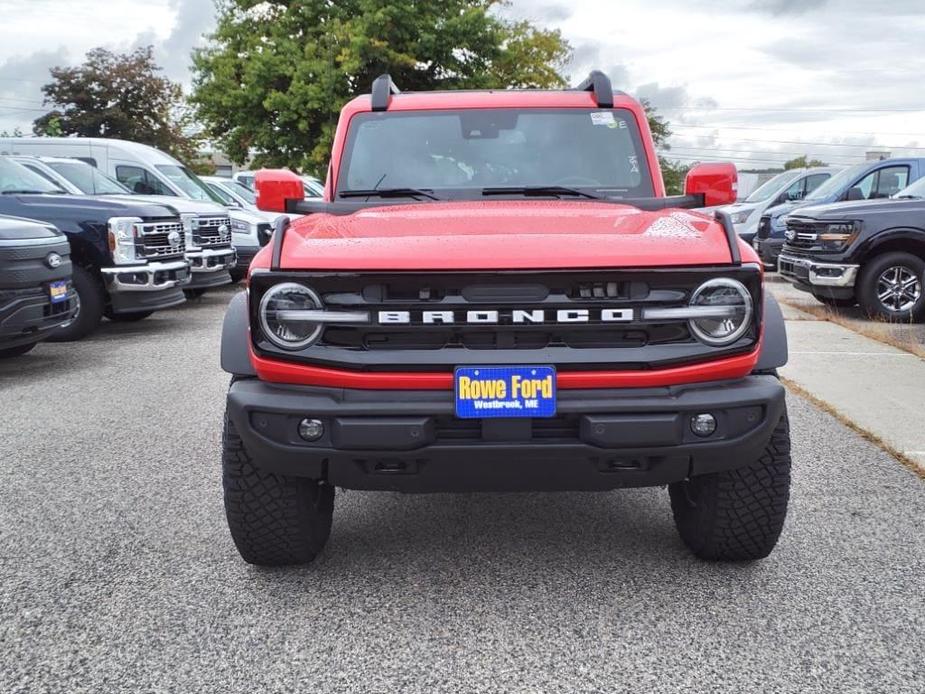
[274,520]
[891,287]
[737,515]
[128,317]
[91,300]
[16,351]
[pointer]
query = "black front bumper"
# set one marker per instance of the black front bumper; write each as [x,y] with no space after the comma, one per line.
[411,441]
[27,315]
[768,250]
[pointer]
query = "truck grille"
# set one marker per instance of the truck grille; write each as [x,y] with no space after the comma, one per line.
[213,232]
[634,343]
[764,227]
[161,240]
[801,234]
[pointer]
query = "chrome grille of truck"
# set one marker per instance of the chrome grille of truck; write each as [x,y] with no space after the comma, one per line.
[155,240]
[416,344]
[804,234]
[213,232]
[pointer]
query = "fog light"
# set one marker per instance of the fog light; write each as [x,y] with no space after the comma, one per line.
[311,429]
[703,424]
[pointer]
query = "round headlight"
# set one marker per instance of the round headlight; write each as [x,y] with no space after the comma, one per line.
[289,334]
[732,315]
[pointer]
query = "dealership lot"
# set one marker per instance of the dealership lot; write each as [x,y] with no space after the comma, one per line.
[117,570]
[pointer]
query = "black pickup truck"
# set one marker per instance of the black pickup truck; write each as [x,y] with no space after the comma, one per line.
[36,296]
[128,257]
[870,253]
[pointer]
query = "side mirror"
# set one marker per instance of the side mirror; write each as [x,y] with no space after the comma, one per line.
[717,183]
[854,194]
[796,195]
[275,188]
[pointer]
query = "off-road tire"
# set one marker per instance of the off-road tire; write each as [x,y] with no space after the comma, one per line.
[16,351]
[92,298]
[868,280]
[275,520]
[128,317]
[737,515]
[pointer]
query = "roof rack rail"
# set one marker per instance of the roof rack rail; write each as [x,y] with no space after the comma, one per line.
[599,83]
[383,89]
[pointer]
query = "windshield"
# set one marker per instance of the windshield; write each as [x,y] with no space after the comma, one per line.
[916,190]
[772,187]
[188,182]
[313,187]
[89,180]
[221,194]
[241,191]
[15,178]
[458,154]
[837,182]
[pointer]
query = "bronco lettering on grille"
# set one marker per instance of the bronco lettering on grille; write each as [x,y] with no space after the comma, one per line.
[515,316]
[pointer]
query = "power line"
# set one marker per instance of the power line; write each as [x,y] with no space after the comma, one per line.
[805,109]
[829,144]
[768,153]
[672,126]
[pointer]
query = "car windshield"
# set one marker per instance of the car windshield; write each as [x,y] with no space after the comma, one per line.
[241,191]
[772,187]
[188,182]
[916,190]
[223,195]
[459,154]
[89,180]
[836,183]
[313,187]
[16,178]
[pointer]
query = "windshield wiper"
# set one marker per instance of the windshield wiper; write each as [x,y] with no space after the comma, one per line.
[539,191]
[388,193]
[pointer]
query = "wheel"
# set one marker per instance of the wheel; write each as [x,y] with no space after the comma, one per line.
[891,287]
[128,317]
[16,351]
[737,515]
[274,520]
[91,301]
[833,302]
[194,293]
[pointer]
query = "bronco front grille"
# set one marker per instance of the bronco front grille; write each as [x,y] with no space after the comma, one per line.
[571,319]
[161,239]
[213,232]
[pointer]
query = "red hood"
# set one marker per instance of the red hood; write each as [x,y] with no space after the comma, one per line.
[503,235]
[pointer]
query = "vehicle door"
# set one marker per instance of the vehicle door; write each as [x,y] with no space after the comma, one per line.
[880,183]
[141,180]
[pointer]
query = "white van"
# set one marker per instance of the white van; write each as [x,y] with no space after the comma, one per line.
[144,170]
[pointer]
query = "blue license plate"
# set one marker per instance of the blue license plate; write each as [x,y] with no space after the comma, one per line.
[505,391]
[57,292]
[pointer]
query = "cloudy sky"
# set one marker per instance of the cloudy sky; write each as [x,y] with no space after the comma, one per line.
[755,81]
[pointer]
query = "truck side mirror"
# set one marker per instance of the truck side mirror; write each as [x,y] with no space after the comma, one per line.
[717,183]
[854,194]
[275,188]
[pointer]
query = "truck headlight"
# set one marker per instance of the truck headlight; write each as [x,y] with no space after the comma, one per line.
[289,334]
[239,226]
[123,239]
[731,313]
[839,235]
[190,227]
[741,217]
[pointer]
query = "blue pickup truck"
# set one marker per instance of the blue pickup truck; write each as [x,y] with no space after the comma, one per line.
[870,180]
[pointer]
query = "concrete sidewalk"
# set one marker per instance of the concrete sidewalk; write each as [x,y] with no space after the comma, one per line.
[879,388]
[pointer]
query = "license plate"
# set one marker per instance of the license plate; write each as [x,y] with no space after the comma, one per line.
[58,292]
[505,391]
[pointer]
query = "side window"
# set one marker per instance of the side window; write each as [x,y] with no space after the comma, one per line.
[796,191]
[814,181]
[864,188]
[140,181]
[891,180]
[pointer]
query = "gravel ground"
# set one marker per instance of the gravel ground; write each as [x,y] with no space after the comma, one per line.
[117,572]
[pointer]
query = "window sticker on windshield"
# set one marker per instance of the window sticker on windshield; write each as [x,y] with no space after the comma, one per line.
[602,117]
[634,163]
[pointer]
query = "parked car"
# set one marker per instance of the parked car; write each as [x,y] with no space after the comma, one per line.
[789,186]
[208,231]
[871,253]
[565,326]
[869,180]
[36,295]
[127,255]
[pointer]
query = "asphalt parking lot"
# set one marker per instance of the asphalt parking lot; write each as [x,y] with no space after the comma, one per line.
[117,572]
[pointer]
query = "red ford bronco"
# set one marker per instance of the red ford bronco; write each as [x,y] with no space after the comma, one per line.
[495,294]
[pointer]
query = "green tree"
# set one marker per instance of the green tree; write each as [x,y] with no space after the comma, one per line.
[276,74]
[673,172]
[803,162]
[118,95]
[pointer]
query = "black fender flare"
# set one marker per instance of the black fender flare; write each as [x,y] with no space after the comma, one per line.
[235,334]
[774,353]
